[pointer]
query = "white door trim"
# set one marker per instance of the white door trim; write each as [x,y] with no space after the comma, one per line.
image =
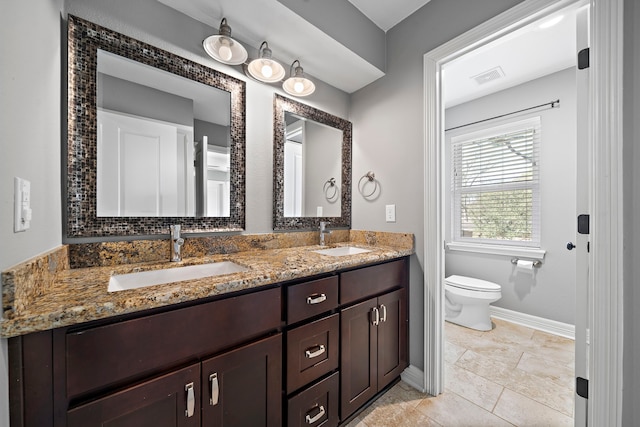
[605,263]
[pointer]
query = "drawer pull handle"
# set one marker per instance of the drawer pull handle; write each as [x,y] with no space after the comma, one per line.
[320,414]
[311,354]
[215,389]
[191,400]
[384,313]
[316,299]
[375,318]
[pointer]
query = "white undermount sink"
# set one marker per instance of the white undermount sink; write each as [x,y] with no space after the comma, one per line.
[342,251]
[122,282]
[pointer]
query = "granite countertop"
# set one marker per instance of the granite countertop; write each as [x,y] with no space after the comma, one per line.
[77,295]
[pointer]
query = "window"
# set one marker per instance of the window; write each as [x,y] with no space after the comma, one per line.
[495,185]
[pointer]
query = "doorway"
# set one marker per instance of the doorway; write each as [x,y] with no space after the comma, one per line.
[605,365]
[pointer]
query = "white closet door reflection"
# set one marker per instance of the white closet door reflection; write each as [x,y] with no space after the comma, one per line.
[147,171]
[293,176]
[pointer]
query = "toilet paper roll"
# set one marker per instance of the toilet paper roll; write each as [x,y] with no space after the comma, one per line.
[525,266]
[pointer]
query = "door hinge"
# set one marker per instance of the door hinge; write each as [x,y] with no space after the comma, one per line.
[583,59]
[583,224]
[582,387]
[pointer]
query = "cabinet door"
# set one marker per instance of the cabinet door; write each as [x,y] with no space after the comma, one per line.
[392,337]
[358,360]
[243,387]
[167,401]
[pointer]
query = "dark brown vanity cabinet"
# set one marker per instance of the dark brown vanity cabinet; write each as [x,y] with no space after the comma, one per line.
[373,334]
[297,354]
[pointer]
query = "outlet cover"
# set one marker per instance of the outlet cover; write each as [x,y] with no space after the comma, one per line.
[390,211]
[21,204]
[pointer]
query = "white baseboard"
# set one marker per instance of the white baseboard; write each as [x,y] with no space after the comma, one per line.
[414,377]
[551,326]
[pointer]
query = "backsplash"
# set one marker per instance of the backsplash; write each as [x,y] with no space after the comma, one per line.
[27,281]
[115,253]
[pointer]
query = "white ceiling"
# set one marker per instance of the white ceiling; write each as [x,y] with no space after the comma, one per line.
[524,55]
[289,35]
[387,13]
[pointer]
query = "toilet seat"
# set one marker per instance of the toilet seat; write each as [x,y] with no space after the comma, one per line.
[472,284]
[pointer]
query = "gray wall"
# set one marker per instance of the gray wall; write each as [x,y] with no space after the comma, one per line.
[550,292]
[29,136]
[631,356]
[128,97]
[322,149]
[388,129]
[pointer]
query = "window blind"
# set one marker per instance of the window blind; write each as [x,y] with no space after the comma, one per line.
[496,185]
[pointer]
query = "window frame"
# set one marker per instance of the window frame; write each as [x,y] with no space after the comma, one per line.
[530,248]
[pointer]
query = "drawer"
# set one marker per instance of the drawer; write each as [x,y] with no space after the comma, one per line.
[316,406]
[312,351]
[116,353]
[364,282]
[311,298]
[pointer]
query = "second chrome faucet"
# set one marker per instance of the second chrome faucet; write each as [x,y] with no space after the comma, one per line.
[176,243]
[323,231]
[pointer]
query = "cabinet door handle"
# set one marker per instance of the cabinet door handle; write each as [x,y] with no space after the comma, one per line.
[215,390]
[320,414]
[384,313]
[316,299]
[375,318]
[311,354]
[191,400]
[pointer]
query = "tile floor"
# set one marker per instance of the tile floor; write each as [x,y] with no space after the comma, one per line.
[511,375]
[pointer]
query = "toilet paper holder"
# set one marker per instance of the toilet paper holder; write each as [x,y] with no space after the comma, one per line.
[537,263]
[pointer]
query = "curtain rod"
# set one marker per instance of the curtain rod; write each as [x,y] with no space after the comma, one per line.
[552,104]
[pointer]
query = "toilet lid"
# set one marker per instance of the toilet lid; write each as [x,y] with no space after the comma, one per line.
[471,283]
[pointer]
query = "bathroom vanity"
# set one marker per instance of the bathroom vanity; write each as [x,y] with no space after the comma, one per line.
[308,351]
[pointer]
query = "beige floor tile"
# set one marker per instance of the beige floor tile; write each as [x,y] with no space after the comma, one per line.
[522,411]
[516,332]
[450,409]
[505,352]
[395,409]
[540,389]
[552,347]
[560,373]
[356,422]
[452,352]
[472,387]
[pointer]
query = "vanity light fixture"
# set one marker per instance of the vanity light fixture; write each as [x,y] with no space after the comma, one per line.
[223,48]
[264,68]
[298,84]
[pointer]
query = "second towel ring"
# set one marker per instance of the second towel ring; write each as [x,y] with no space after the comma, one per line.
[331,183]
[371,177]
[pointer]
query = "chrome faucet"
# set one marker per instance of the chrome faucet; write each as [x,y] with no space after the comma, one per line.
[323,231]
[176,243]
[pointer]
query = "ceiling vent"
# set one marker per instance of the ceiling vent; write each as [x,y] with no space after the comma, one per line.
[487,76]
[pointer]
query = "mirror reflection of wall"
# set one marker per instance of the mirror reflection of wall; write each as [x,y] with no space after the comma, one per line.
[312,168]
[152,127]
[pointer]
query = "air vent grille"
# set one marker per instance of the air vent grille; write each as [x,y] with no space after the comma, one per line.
[489,75]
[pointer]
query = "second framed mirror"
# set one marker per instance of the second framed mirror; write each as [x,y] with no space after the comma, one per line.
[312,167]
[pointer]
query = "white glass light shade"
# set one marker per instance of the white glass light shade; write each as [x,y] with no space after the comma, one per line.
[297,84]
[264,68]
[223,48]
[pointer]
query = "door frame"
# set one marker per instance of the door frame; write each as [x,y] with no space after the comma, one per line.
[605,193]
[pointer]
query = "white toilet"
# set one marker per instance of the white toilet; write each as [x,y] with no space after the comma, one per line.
[467,301]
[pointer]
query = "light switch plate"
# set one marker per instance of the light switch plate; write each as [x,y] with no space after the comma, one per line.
[390,211]
[21,204]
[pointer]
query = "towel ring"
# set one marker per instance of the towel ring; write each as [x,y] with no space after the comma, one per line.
[331,183]
[371,177]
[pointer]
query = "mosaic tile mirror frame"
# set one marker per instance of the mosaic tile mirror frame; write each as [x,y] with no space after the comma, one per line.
[84,40]
[282,105]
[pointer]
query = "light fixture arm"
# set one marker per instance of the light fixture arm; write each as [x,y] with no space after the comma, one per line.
[225,29]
